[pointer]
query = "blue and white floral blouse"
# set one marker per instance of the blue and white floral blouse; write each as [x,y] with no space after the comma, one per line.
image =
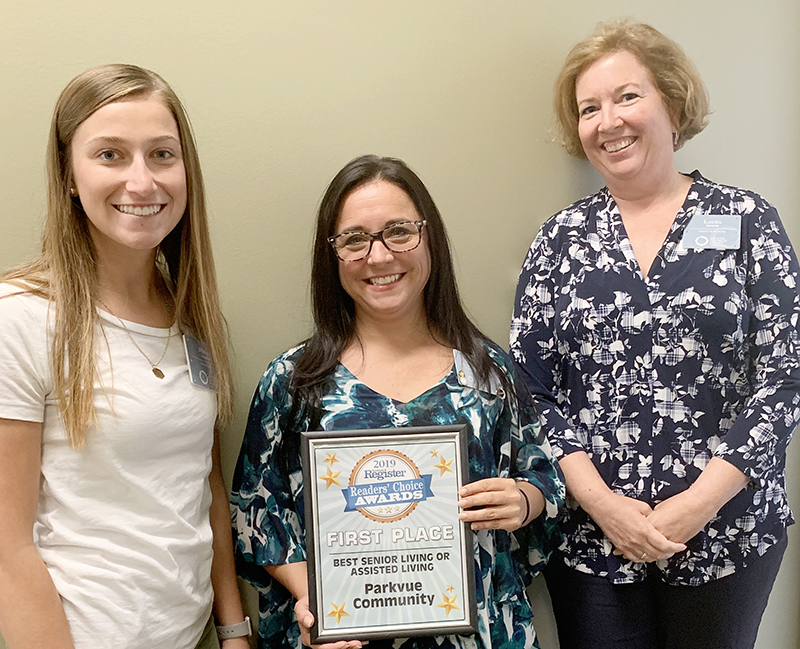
[268,516]
[652,377]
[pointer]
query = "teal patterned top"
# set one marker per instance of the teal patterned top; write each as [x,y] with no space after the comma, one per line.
[506,441]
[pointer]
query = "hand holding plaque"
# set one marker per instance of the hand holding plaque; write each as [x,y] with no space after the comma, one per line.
[497,504]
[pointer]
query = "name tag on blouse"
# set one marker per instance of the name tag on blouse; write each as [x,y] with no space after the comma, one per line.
[714,231]
[201,369]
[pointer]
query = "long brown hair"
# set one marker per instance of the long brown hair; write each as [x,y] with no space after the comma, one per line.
[334,311]
[66,272]
[333,308]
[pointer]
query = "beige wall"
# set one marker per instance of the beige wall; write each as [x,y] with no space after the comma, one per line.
[282,94]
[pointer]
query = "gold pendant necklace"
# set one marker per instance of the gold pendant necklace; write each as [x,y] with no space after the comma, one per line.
[155,366]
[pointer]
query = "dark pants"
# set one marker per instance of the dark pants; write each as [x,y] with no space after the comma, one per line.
[593,613]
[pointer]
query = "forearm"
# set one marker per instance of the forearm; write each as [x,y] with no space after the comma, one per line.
[227,601]
[683,515]
[535,501]
[717,484]
[292,576]
[583,481]
[31,614]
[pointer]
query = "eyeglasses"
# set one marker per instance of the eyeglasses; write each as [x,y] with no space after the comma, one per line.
[402,236]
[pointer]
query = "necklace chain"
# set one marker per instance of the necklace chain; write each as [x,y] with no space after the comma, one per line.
[154,366]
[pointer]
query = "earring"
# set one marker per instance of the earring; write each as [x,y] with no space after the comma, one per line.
[675,139]
[73,191]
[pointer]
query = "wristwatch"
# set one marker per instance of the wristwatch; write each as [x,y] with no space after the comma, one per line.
[238,630]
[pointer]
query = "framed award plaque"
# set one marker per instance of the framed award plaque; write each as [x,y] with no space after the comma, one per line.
[387,554]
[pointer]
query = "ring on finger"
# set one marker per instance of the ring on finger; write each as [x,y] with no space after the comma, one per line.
[643,557]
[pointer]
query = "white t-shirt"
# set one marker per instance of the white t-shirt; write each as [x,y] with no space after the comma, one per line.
[123,524]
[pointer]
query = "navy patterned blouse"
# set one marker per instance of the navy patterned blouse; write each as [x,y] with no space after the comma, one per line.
[506,441]
[652,377]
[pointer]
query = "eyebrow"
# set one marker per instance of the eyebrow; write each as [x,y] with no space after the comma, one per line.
[361,228]
[617,90]
[115,139]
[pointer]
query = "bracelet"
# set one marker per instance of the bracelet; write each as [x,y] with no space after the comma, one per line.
[241,629]
[527,506]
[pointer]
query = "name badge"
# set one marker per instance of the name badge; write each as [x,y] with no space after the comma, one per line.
[714,231]
[201,369]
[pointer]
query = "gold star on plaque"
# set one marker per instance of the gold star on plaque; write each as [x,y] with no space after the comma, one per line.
[338,612]
[449,603]
[443,466]
[330,459]
[330,478]
[434,453]
[450,588]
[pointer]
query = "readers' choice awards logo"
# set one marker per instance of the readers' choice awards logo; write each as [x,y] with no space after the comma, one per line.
[386,486]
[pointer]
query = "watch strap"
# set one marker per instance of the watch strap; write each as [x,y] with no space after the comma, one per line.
[238,630]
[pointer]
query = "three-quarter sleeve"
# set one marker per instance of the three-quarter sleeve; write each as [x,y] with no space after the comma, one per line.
[533,342]
[756,442]
[268,526]
[532,460]
[268,529]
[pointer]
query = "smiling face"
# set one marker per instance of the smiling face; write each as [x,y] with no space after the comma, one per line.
[128,171]
[623,124]
[384,284]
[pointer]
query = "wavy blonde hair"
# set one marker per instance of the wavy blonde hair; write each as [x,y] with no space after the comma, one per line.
[66,272]
[676,77]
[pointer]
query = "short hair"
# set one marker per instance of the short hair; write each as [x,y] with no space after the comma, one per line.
[676,77]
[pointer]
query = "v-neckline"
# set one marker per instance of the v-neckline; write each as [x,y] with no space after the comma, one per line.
[626,246]
[436,385]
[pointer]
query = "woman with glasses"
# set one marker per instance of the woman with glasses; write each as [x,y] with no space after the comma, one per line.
[392,347]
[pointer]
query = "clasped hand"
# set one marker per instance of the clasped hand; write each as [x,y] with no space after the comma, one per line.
[641,533]
[627,524]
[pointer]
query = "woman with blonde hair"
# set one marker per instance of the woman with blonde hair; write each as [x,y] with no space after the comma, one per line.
[114,527]
[657,324]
